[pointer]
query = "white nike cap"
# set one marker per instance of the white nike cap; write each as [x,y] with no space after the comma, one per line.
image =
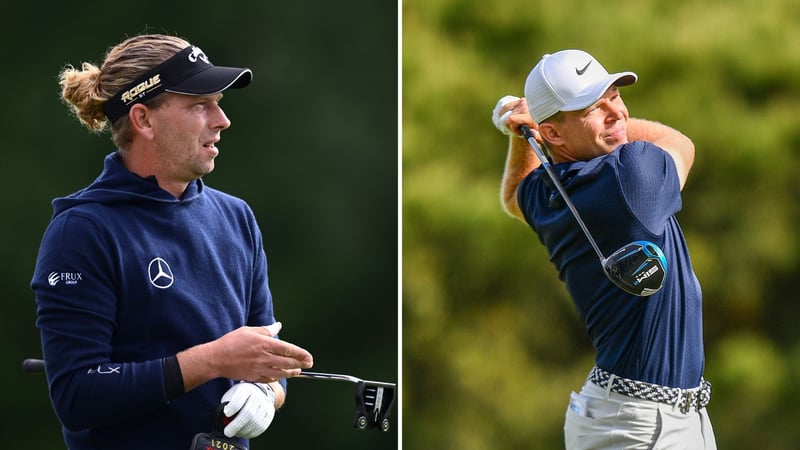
[569,80]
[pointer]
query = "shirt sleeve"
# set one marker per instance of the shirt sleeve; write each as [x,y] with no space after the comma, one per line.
[74,288]
[648,177]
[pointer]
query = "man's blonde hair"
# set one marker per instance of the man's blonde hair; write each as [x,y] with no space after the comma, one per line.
[87,89]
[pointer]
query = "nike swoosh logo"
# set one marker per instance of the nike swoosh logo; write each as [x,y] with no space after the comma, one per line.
[582,71]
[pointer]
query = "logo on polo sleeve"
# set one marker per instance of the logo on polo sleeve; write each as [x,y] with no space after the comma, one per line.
[68,278]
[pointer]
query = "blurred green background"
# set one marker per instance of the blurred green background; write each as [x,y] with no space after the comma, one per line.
[491,344]
[313,149]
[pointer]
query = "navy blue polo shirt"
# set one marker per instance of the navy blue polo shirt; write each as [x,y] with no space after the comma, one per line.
[630,194]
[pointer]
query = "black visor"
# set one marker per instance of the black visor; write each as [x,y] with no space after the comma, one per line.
[187,72]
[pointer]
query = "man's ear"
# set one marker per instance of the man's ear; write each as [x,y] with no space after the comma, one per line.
[551,133]
[139,120]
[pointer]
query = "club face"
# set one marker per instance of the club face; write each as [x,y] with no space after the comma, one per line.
[638,268]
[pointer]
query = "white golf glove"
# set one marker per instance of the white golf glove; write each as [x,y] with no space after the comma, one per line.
[501,121]
[254,407]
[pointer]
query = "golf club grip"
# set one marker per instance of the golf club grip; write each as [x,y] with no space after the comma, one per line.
[526,131]
[31,365]
[528,134]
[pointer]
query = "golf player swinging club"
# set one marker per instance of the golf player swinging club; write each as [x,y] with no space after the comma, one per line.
[625,175]
[638,268]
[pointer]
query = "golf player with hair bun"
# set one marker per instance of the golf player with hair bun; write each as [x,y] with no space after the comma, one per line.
[153,303]
[625,177]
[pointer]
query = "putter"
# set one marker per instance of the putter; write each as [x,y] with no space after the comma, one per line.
[638,268]
[374,399]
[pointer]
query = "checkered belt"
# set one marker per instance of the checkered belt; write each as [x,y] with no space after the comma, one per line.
[684,399]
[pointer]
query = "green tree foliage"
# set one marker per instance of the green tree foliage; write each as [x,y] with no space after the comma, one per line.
[312,148]
[491,345]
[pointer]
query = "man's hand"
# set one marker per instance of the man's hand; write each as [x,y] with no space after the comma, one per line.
[247,353]
[252,407]
[510,113]
[501,112]
[254,354]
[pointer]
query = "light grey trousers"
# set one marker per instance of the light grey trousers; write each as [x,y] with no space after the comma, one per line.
[600,419]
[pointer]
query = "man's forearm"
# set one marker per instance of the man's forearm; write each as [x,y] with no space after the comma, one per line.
[196,365]
[519,163]
[680,147]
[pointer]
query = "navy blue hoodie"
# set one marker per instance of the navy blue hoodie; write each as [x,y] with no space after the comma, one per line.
[128,275]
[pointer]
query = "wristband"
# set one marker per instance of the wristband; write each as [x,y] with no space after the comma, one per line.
[173,377]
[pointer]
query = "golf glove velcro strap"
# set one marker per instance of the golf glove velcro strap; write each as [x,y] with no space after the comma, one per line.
[253,405]
[500,121]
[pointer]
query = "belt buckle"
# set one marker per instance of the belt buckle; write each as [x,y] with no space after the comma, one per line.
[688,402]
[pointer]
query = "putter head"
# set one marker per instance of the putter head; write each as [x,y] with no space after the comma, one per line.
[638,268]
[374,401]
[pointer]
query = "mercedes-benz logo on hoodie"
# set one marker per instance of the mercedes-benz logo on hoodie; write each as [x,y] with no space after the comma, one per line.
[160,273]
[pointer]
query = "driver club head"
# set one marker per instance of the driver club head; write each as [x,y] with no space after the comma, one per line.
[638,268]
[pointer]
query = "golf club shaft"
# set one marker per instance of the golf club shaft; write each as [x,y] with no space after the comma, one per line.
[526,131]
[329,376]
[338,377]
